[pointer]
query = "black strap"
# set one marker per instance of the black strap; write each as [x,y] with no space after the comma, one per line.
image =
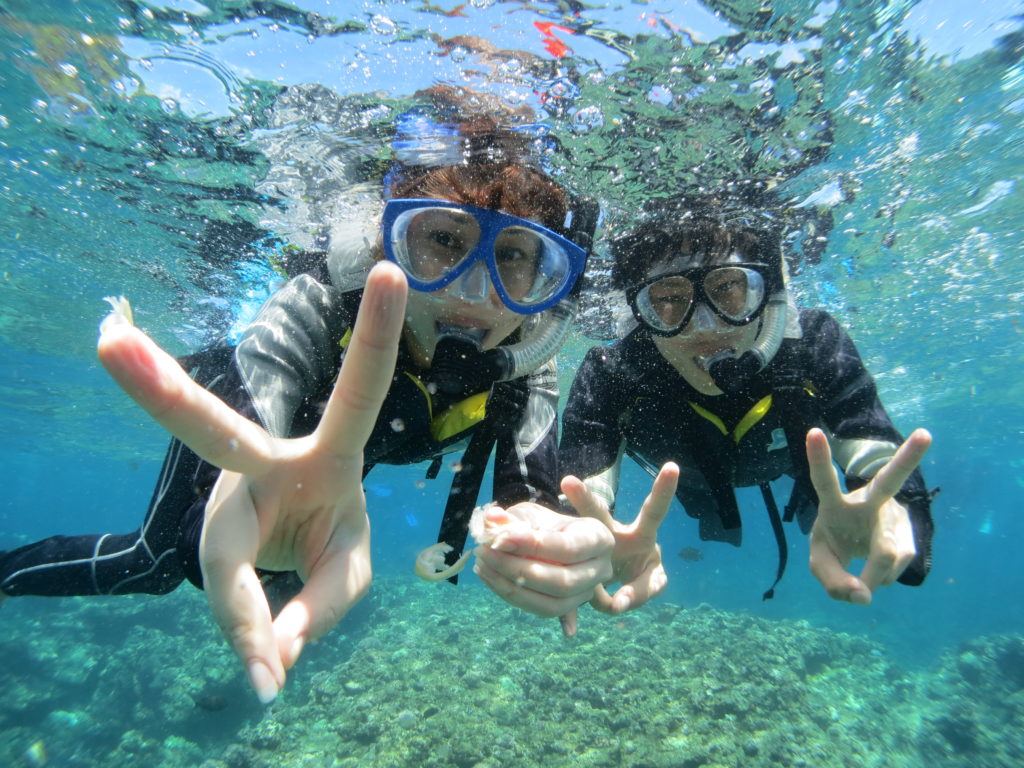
[800,411]
[463,494]
[434,469]
[505,406]
[780,537]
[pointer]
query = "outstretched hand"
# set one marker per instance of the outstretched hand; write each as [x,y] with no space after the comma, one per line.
[278,504]
[543,561]
[865,523]
[636,558]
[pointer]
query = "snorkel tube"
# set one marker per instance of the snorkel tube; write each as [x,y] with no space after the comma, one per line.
[730,371]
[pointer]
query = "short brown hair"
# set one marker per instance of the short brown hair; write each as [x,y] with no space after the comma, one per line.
[516,189]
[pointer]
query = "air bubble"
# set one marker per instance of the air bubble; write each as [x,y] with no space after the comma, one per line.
[382,25]
[588,118]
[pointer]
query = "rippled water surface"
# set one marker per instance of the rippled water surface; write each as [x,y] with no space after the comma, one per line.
[173,151]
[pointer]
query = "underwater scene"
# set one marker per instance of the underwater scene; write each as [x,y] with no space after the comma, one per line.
[189,154]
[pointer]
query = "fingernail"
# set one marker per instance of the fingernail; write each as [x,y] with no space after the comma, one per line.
[297,646]
[502,543]
[262,682]
[859,597]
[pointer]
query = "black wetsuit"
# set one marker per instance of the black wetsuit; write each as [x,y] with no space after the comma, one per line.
[281,375]
[627,398]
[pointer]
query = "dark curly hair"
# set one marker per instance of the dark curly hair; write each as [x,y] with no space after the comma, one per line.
[707,228]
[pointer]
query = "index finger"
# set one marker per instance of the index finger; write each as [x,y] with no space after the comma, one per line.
[201,420]
[890,478]
[656,505]
[824,477]
[369,364]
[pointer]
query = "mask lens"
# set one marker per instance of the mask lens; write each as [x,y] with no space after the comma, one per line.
[736,292]
[434,244]
[665,304]
[428,243]
[531,266]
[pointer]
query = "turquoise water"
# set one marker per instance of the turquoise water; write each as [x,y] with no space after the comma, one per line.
[147,151]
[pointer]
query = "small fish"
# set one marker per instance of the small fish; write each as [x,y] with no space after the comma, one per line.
[380,489]
[211,702]
[691,554]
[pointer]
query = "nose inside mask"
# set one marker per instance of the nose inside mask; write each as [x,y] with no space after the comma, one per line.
[473,285]
[703,318]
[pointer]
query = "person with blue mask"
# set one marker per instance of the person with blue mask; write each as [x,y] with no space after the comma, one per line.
[274,435]
[718,372]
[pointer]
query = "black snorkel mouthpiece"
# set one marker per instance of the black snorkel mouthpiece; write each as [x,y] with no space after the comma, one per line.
[460,367]
[731,372]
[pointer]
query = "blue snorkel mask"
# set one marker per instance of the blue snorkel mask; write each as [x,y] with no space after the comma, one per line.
[470,251]
[436,242]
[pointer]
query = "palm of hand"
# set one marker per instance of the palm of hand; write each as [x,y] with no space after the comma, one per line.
[279,503]
[867,522]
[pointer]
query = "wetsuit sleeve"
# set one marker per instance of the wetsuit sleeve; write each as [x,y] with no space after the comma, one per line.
[290,351]
[526,457]
[592,437]
[861,434]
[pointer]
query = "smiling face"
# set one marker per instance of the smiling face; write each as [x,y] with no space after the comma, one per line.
[429,315]
[470,305]
[705,335]
[687,350]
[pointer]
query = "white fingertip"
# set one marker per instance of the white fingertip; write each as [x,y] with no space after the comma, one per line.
[262,682]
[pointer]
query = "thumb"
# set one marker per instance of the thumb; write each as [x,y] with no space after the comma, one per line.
[568,621]
[340,578]
[291,629]
[586,502]
[602,601]
[829,571]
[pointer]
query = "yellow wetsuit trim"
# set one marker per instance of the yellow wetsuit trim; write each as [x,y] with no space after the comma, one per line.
[751,418]
[710,417]
[426,394]
[460,417]
[455,419]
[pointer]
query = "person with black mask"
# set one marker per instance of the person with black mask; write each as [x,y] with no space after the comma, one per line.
[720,374]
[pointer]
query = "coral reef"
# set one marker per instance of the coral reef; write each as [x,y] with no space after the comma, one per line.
[975,705]
[416,678]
